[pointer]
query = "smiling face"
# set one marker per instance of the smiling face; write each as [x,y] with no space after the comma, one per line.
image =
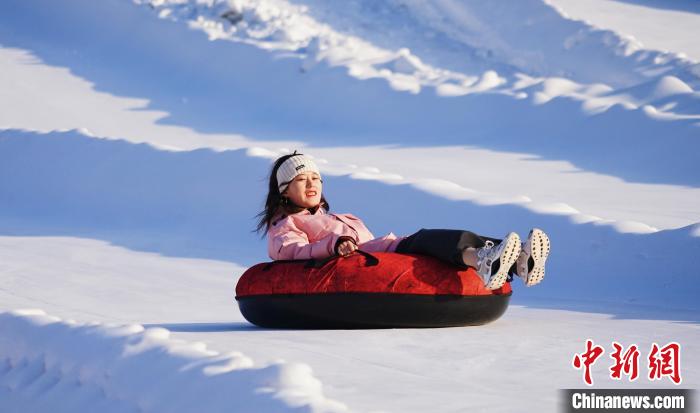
[305,190]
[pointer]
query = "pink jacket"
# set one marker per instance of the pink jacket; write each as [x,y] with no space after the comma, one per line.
[304,235]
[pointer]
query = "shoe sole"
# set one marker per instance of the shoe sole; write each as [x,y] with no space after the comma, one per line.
[539,251]
[508,256]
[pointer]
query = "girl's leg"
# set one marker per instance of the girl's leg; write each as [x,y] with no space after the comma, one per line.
[445,244]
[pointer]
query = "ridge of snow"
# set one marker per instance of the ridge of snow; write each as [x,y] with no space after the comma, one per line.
[445,188]
[108,367]
[292,31]
[451,190]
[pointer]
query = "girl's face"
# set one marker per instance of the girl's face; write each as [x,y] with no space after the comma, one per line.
[305,189]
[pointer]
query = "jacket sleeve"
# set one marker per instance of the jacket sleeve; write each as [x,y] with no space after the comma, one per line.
[387,243]
[287,242]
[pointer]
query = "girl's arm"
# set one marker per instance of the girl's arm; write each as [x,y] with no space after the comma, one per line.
[287,242]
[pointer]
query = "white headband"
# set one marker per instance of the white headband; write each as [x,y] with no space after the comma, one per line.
[292,167]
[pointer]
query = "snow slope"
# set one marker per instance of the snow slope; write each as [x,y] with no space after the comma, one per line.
[133,150]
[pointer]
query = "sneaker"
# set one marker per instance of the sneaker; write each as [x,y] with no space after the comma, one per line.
[503,255]
[530,263]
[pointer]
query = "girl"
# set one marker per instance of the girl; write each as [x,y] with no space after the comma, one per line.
[298,226]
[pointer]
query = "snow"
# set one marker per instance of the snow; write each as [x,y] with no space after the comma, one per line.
[110,289]
[134,150]
[657,24]
[56,365]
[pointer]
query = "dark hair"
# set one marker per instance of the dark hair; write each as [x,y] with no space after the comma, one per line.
[278,204]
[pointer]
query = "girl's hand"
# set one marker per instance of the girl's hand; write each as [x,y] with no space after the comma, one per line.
[346,248]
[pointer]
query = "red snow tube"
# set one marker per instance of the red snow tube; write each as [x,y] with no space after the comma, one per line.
[379,290]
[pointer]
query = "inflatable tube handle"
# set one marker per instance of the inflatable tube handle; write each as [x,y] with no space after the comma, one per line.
[310,263]
[271,263]
[370,261]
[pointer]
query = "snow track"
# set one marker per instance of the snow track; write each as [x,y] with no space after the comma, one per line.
[402,370]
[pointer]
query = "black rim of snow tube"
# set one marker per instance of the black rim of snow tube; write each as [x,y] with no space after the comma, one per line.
[370,310]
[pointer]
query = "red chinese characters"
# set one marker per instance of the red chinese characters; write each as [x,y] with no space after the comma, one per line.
[627,363]
[662,361]
[587,359]
[665,362]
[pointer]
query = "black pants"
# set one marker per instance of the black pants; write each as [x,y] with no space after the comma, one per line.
[444,244]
